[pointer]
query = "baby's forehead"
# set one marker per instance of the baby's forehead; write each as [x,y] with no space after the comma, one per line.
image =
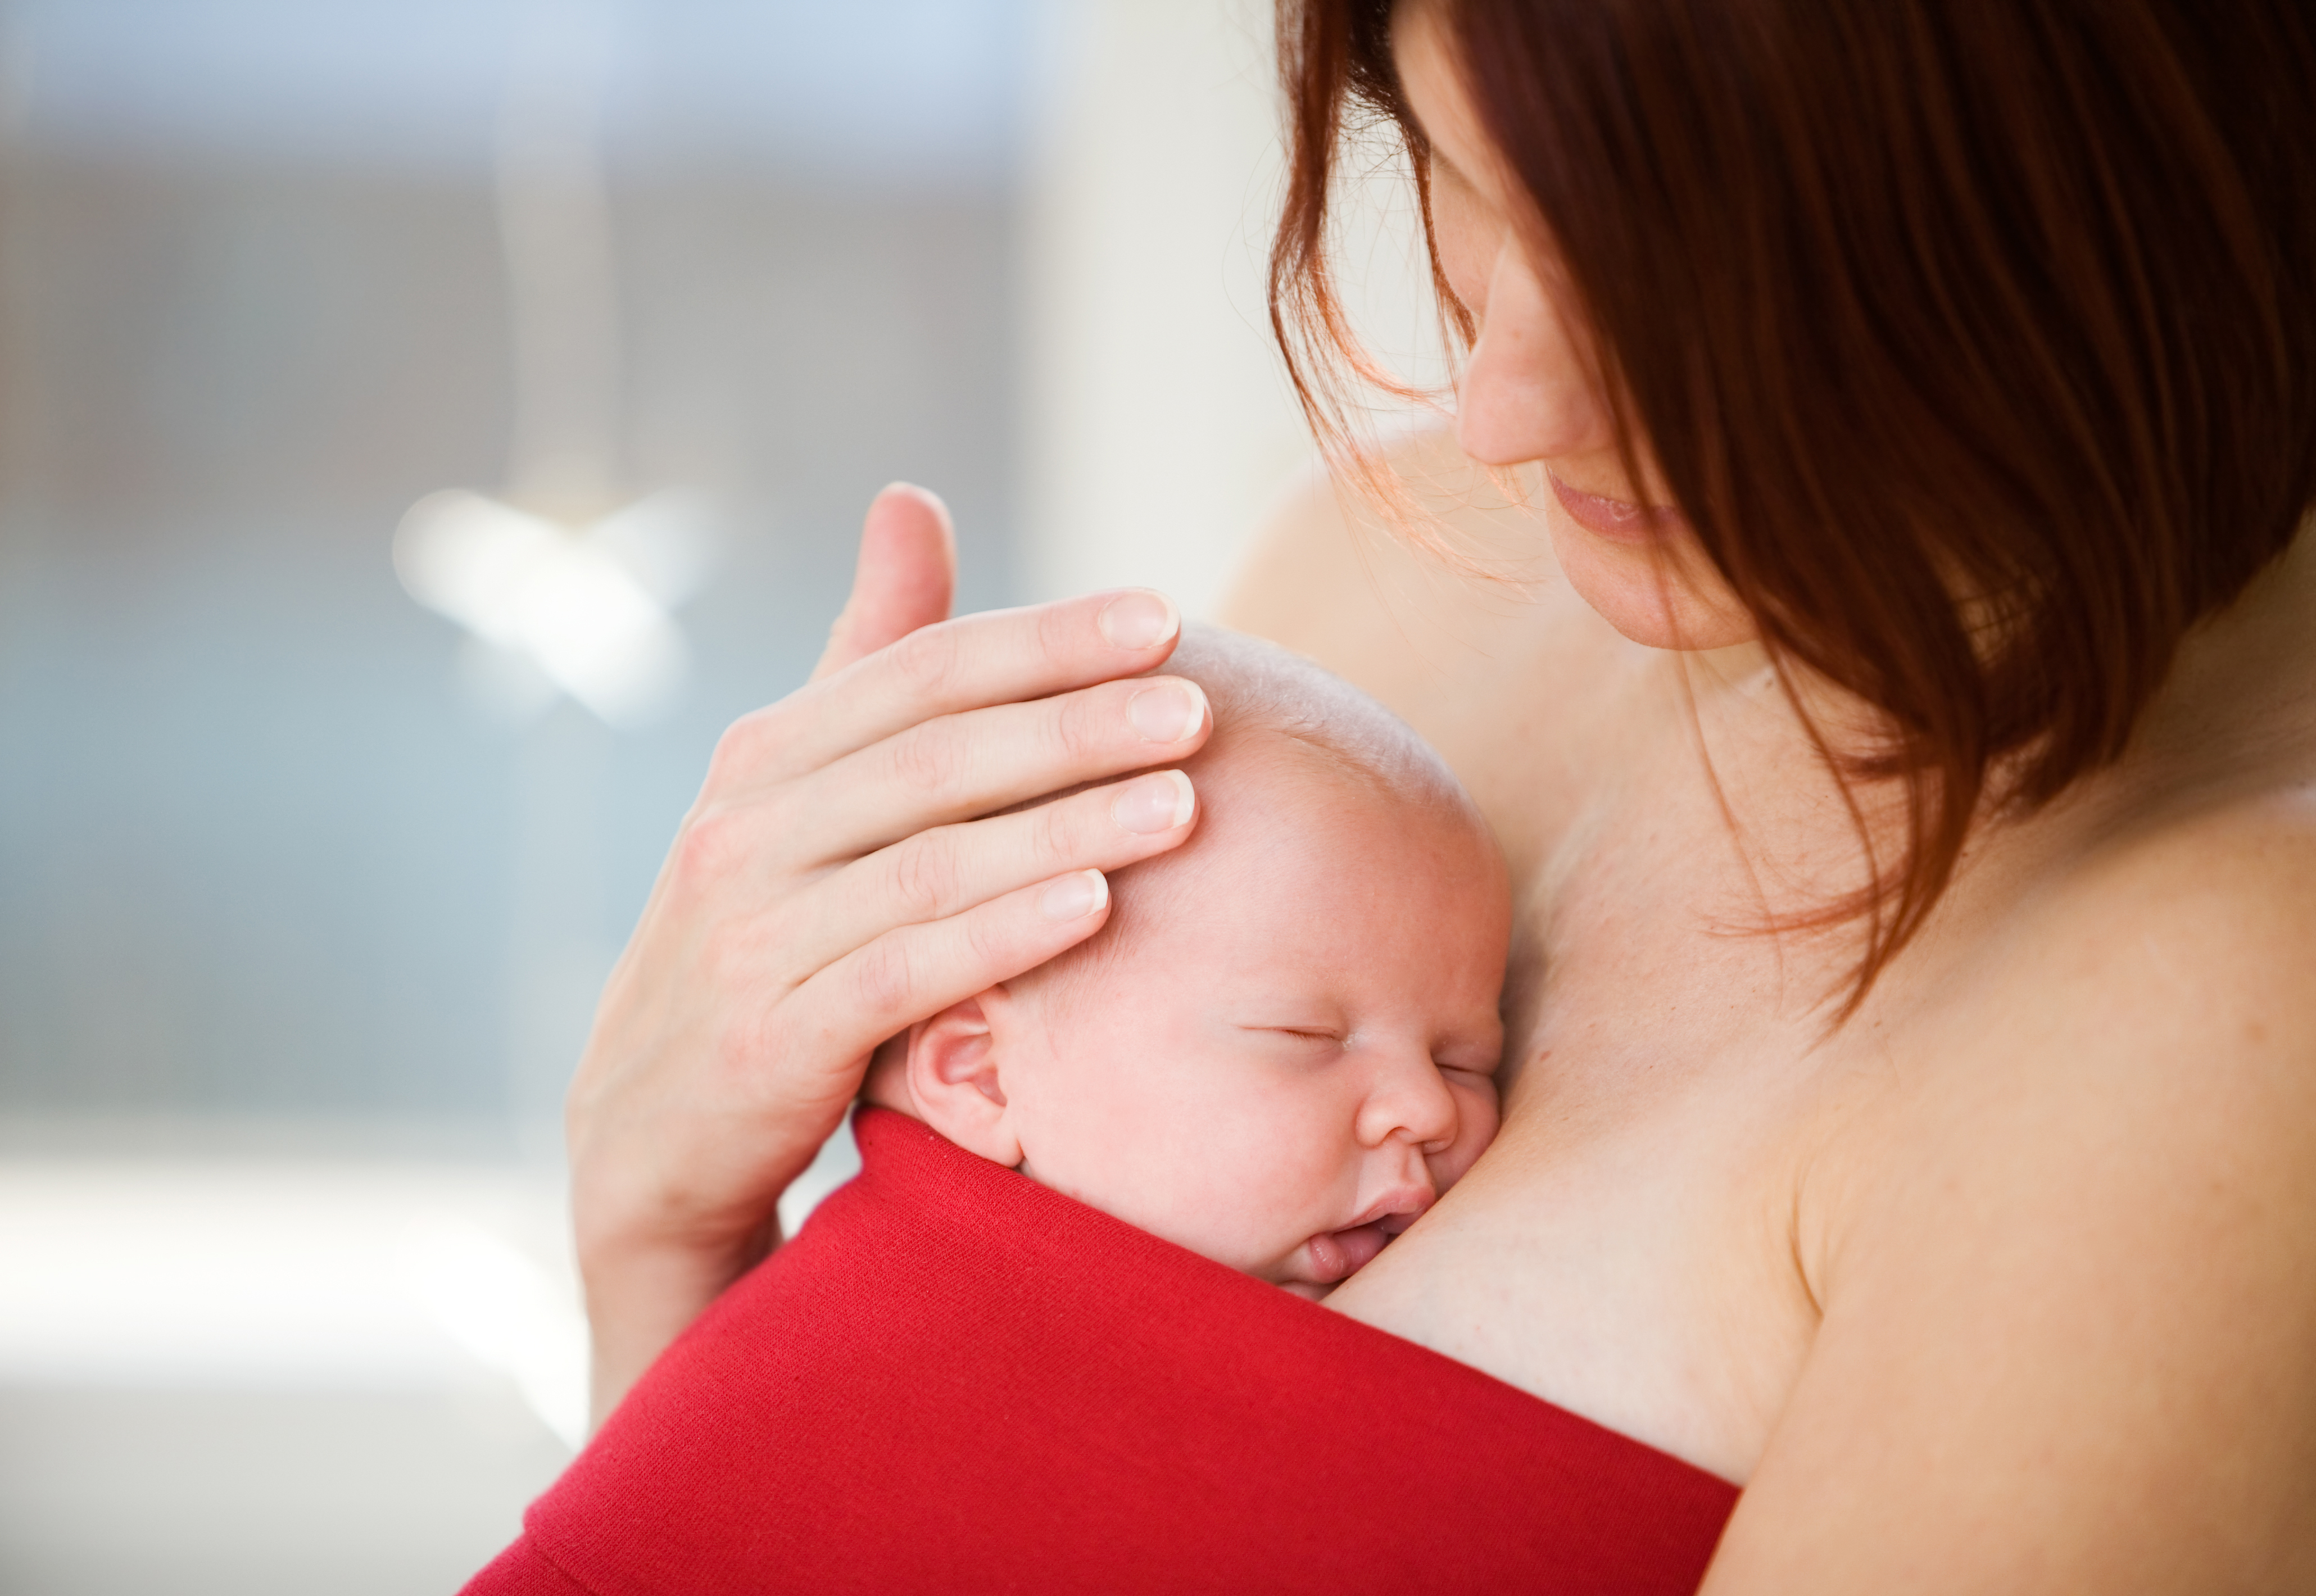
[1252,778]
[1285,728]
[1280,810]
[1298,761]
[1267,702]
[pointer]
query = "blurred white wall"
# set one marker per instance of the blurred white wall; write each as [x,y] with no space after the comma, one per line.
[254,304]
[286,1302]
[1158,421]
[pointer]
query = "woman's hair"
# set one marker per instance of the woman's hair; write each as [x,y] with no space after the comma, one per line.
[1975,338]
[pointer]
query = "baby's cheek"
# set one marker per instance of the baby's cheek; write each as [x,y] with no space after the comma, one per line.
[1267,1193]
[1477,1119]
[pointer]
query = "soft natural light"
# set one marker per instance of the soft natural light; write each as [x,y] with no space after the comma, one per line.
[193,1274]
[507,1312]
[589,610]
[197,1275]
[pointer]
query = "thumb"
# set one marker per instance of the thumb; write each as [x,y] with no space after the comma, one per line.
[906,579]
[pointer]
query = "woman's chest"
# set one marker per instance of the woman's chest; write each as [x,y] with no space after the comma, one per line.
[1629,1248]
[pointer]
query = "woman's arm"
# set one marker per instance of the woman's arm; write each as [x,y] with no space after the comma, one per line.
[2069,1287]
[830,886]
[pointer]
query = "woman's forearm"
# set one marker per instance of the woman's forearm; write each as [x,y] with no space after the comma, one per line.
[639,1300]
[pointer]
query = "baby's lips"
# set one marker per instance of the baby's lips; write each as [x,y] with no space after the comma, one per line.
[1338,1254]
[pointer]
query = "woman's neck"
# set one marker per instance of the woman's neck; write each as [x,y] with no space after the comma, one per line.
[2240,698]
[2235,720]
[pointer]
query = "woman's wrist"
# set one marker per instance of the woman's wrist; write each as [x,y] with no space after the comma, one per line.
[640,1295]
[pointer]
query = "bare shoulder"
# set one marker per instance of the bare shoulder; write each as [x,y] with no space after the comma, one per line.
[2069,1280]
[2201,929]
[1373,591]
[2176,969]
[1456,621]
[1318,545]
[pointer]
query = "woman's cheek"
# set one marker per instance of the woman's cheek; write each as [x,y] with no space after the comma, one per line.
[1468,250]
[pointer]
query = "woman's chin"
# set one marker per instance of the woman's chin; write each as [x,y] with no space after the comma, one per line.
[1660,597]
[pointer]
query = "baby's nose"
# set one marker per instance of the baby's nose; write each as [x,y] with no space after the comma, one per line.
[1414,1105]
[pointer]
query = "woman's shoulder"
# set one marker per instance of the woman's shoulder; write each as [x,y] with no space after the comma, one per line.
[1370,575]
[2158,984]
[2235,879]
[2116,1090]
[1435,590]
[2153,931]
[2191,952]
[2188,913]
[2071,1253]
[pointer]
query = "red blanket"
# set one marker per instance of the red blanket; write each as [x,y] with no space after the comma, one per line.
[956,1380]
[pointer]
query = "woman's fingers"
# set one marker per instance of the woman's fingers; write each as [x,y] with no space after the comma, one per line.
[961,766]
[939,873]
[905,580]
[916,970]
[996,657]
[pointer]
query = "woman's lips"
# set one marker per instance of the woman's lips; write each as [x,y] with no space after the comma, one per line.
[1616,519]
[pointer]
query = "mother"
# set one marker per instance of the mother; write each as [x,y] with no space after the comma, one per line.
[1906,756]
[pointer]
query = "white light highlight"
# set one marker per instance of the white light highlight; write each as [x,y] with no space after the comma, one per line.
[144,1275]
[586,611]
[509,1315]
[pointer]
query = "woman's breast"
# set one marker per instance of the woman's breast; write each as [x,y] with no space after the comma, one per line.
[1625,1249]
[1628,1247]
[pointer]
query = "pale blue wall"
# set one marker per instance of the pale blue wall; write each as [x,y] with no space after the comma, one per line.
[256,847]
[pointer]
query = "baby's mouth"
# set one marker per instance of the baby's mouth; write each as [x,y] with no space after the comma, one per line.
[1338,1254]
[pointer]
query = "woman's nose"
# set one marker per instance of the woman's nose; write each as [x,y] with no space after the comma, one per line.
[1528,391]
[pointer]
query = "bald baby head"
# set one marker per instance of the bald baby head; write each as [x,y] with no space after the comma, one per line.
[1279,1049]
[1287,734]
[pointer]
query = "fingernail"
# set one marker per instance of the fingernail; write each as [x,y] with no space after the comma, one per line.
[1167,710]
[919,489]
[1074,897]
[1151,804]
[1137,620]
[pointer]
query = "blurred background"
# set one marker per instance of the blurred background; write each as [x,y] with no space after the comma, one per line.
[423,425]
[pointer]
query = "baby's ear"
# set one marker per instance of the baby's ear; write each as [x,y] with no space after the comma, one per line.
[954,1075]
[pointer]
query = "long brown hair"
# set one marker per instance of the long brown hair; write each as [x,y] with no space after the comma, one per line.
[1975,338]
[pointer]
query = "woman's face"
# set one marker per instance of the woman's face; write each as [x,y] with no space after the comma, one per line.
[1529,393]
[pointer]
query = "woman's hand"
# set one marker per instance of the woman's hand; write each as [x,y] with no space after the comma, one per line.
[831,886]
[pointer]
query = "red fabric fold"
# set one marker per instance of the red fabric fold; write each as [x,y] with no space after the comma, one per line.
[955,1379]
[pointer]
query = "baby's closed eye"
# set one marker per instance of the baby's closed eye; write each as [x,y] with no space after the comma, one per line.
[1310,1034]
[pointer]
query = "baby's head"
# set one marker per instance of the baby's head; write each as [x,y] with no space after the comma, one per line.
[1279,1049]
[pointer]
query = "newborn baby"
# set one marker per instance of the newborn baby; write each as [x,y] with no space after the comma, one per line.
[1280,1050]
[1277,1052]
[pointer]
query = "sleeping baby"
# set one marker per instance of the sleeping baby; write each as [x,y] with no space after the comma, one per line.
[1280,1050]
[1276,1053]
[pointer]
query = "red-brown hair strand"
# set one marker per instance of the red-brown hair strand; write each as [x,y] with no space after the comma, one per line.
[1974,338]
